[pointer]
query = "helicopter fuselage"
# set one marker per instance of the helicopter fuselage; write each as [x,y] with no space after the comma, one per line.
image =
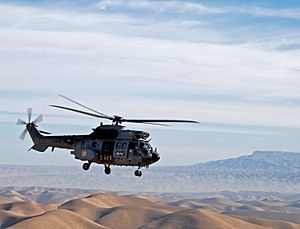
[107,144]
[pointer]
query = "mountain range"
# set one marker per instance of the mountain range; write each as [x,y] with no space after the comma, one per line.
[260,161]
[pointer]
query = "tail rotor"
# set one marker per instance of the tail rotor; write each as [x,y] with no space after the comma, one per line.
[23,134]
[29,114]
[38,119]
[22,122]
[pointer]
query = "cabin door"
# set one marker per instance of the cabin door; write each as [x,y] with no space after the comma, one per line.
[107,151]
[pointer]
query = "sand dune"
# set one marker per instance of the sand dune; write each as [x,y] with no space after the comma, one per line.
[276,224]
[128,217]
[14,212]
[284,216]
[27,207]
[4,200]
[197,218]
[8,218]
[59,219]
[22,208]
[7,196]
[194,204]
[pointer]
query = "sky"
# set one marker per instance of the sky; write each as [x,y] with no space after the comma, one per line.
[231,65]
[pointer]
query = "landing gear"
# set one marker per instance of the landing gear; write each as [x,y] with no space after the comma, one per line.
[107,169]
[86,166]
[138,173]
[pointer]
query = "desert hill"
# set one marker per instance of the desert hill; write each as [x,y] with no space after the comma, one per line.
[141,210]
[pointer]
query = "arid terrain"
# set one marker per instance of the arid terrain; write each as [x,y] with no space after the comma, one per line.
[262,191]
[31,207]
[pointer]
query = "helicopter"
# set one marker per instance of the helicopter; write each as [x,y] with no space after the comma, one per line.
[109,144]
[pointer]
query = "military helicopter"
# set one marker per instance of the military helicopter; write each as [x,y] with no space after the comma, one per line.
[107,144]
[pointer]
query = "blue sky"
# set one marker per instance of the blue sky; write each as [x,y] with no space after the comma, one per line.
[231,65]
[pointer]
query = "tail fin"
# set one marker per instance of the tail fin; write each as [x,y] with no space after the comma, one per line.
[34,133]
[37,138]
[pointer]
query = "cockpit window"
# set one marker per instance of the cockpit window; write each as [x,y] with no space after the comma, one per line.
[145,148]
[145,145]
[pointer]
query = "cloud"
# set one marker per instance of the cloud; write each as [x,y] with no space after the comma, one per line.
[194,8]
[290,13]
[76,53]
[161,6]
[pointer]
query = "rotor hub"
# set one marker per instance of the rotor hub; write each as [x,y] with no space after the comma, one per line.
[117,120]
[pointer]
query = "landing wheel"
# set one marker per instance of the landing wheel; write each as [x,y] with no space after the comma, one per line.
[138,173]
[107,170]
[86,166]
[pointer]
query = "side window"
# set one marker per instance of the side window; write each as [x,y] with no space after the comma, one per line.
[118,146]
[124,145]
[120,149]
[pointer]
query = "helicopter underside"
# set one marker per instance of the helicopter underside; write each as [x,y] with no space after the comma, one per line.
[108,163]
[125,162]
[108,160]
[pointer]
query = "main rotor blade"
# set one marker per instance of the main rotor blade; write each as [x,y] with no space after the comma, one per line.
[38,119]
[44,132]
[156,120]
[82,112]
[29,113]
[155,124]
[23,134]
[21,122]
[79,104]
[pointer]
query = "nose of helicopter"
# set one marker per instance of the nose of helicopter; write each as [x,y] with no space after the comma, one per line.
[155,157]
